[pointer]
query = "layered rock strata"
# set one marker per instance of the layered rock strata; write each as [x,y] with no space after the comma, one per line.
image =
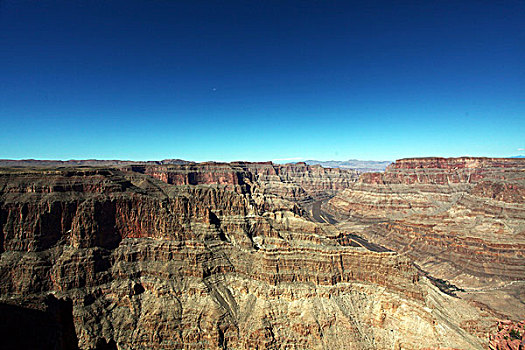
[460,219]
[297,182]
[222,262]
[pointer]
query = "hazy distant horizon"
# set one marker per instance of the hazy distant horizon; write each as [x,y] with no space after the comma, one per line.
[277,161]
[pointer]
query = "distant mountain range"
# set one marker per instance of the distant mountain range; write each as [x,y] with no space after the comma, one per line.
[85,162]
[359,165]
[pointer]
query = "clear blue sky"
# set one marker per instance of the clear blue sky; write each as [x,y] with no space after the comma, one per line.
[261,80]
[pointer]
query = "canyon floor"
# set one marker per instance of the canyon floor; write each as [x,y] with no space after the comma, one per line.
[181,255]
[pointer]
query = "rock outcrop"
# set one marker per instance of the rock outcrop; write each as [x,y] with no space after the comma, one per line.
[213,256]
[509,336]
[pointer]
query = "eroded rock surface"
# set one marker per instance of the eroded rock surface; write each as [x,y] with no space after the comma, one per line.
[461,219]
[509,336]
[217,256]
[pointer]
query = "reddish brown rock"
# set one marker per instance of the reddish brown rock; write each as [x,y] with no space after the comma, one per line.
[510,335]
[297,182]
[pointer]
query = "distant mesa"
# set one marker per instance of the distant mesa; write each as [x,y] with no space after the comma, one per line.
[363,166]
[85,162]
[354,164]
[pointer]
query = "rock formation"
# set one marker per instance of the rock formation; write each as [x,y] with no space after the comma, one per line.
[216,256]
[461,220]
[363,166]
[509,336]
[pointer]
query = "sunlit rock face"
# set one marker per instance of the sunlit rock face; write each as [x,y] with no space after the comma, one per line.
[215,256]
[296,182]
[460,219]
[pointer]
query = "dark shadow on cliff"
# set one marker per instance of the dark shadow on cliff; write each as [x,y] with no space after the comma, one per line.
[27,328]
[443,285]
[103,344]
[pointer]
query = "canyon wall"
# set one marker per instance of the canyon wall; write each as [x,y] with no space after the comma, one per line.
[213,256]
[296,182]
[461,220]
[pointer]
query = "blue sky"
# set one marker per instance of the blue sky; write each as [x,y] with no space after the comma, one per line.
[261,80]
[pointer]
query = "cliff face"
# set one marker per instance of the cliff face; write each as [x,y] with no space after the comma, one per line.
[460,219]
[296,182]
[150,256]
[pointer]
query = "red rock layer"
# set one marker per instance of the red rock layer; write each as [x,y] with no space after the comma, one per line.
[444,171]
[456,163]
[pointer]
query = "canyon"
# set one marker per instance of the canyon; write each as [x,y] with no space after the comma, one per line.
[176,254]
[461,220]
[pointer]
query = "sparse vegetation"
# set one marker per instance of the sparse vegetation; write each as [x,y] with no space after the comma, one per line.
[515,334]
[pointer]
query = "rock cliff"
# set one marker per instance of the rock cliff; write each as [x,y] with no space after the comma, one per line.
[212,256]
[296,182]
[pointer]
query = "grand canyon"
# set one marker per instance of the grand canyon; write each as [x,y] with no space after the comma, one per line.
[428,254]
[295,175]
